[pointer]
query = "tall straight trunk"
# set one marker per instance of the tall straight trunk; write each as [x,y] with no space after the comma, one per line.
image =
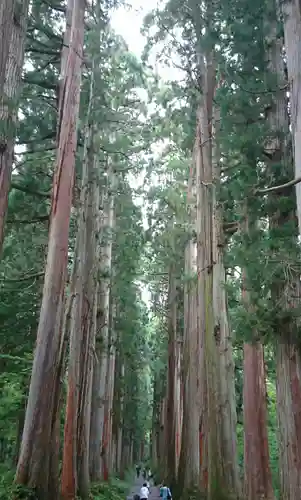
[222,332]
[110,380]
[118,408]
[286,292]
[13,24]
[291,12]
[214,330]
[7,8]
[155,423]
[192,444]
[75,476]
[34,460]
[101,362]
[162,440]
[170,413]
[178,404]
[189,464]
[204,179]
[257,471]
[120,428]
[289,418]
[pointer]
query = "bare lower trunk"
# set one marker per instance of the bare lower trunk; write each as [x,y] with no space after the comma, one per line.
[107,432]
[214,330]
[258,479]
[222,332]
[13,23]
[34,460]
[189,464]
[155,423]
[101,364]
[75,476]
[288,405]
[178,405]
[170,413]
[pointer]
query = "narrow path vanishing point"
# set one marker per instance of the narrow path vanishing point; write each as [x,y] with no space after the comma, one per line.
[154,490]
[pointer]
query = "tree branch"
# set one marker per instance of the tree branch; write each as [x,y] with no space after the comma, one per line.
[23,278]
[41,218]
[41,194]
[278,188]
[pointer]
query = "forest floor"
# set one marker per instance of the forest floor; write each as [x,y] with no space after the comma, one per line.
[154,490]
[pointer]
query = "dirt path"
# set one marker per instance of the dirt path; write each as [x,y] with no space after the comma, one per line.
[154,490]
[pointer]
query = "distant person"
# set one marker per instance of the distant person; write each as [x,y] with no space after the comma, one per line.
[136,497]
[144,474]
[138,468]
[165,492]
[144,492]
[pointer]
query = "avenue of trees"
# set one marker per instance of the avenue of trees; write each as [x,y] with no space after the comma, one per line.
[114,183]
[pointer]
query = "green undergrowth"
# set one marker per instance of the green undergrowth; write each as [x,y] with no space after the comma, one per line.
[115,489]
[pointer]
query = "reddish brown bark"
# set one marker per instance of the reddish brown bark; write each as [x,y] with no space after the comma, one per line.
[12,43]
[75,476]
[35,459]
[6,25]
[258,479]
[288,409]
[171,404]
[69,479]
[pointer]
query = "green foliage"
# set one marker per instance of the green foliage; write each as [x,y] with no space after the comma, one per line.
[115,489]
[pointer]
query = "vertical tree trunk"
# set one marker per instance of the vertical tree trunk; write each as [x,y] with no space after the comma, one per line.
[75,475]
[286,294]
[178,404]
[7,8]
[257,472]
[107,435]
[214,330]
[189,465]
[204,174]
[162,451]
[13,23]
[170,413]
[101,364]
[34,460]
[288,401]
[258,480]
[222,332]
[155,423]
[291,11]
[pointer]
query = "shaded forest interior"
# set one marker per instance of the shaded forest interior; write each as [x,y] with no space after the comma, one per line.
[150,292]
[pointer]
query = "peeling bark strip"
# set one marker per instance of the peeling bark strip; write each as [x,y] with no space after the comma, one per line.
[291,11]
[12,43]
[35,455]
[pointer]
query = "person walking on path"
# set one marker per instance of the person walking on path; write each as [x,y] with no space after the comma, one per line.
[144,492]
[165,492]
[138,468]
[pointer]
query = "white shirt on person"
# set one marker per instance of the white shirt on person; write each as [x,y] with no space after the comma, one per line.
[144,492]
